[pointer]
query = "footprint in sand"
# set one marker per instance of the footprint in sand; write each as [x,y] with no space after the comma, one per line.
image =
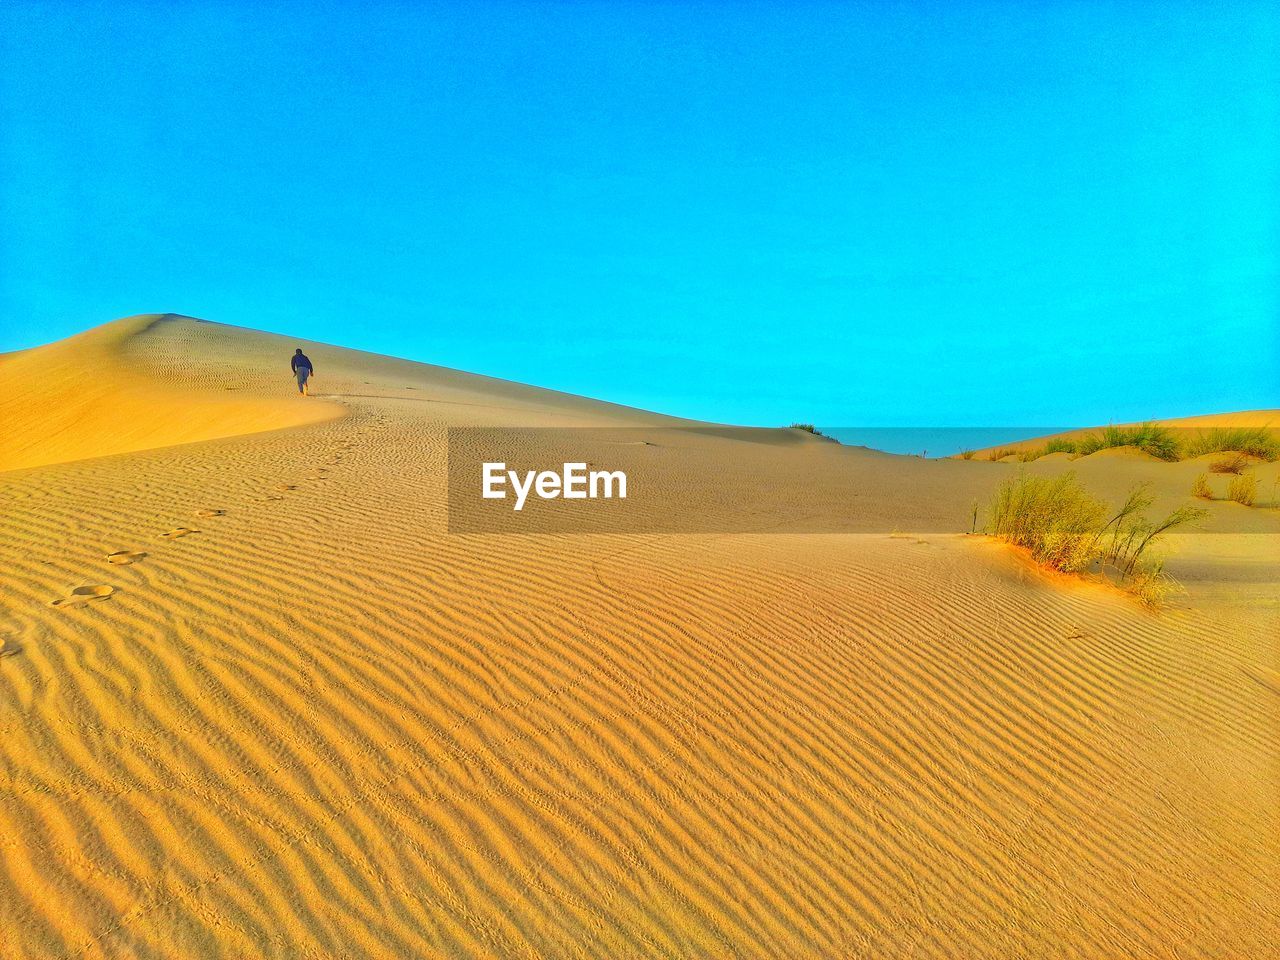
[84,595]
[121,557]
[210,513]
[177,532]
[266,499]
[286,486]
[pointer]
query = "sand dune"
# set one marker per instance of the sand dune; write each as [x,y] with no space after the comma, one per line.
[105,391]
[286,714]
[160,379]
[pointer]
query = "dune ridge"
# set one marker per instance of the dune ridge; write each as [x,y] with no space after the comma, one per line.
[98,395]
[318,725]
[156,380]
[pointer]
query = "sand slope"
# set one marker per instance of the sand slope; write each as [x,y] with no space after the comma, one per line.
[158,380]
[319,726]
[104,392]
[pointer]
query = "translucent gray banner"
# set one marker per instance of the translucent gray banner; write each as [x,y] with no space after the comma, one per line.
[706,479]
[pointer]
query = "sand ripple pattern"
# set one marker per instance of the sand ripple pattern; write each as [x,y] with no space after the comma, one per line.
[323,728]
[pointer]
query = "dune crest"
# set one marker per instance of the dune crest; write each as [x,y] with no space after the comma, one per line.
[103,392]
[157,380]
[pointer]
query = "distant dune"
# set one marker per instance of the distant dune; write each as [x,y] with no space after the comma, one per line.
[256,701]
[1183,427]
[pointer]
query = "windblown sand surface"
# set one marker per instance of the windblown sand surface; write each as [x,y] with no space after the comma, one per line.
[278,711]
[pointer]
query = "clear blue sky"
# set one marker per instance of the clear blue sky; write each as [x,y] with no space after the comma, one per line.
[914,213]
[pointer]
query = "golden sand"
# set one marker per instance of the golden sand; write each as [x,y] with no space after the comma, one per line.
[256,702]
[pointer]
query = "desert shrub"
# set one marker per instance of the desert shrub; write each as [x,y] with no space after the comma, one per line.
[1066,528]
[1053,517]
[1133,537]
[1151,585]
[1093,442]
[1158,441]
[808,428]
[1235,463]
[1258,442]
[1001,453]
[1200,487]
[1057,445]
[1243,489]
[967,454]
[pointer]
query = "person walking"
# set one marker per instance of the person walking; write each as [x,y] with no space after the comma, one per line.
[302,369]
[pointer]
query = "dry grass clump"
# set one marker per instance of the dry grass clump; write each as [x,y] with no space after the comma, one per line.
[967,454]
[1236,463]
[1066,528]
[1151,585]
[1053,517]
[1257,442]
[1160,442]
[1001,453]
[1200,487]
[1243,489]
[1131,539]
[1056,445]
[808,428]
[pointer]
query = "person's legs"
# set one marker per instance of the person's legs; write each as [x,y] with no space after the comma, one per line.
[303,373]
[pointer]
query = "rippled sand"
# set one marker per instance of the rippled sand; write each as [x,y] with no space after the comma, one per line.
[255,701]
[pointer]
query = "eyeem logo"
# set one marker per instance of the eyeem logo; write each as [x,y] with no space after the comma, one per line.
[573,482]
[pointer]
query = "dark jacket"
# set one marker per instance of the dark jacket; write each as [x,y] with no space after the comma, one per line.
[300,360]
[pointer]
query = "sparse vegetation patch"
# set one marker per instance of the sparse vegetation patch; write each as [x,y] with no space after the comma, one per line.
[809,428]
[1257,442]
[1243,489]
[1160,442]
[1066,528]
[1166,443]
[1235,463]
